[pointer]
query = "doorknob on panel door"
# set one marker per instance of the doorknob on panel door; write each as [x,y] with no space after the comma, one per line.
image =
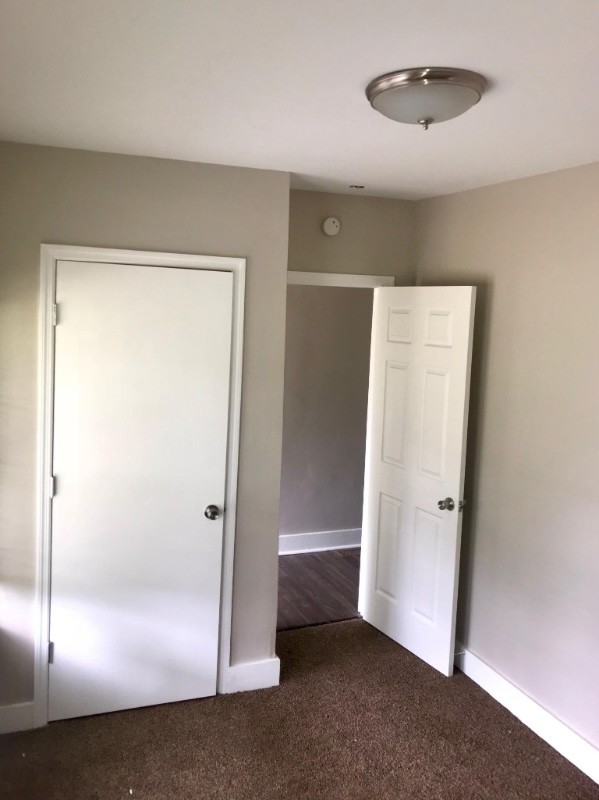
[211,512]
[447,504]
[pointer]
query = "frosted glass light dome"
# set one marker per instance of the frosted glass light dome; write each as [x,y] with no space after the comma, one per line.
[425,95]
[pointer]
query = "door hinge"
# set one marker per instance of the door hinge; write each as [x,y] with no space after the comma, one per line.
[50,652]
[52,486]
[55,314]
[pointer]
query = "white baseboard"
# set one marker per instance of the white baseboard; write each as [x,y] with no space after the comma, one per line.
[242,677]
[251,675]
[315,541]
[16,717]
[555,732]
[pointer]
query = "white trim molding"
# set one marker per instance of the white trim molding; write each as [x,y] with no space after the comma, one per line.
[556,733]
[316,541]
[339,279]
[16,717]
[50,255]
[250,675]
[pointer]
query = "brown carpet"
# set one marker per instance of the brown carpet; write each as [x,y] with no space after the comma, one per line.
[356,716]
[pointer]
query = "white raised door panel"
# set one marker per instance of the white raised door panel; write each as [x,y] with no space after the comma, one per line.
[415,452]
[140,440]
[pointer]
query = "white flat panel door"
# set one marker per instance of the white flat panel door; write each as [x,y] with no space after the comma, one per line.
[140,435]
[415,451]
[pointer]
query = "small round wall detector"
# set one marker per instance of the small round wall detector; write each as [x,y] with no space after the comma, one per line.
[331,226]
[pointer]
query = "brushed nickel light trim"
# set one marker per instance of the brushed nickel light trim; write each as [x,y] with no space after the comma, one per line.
[428,76]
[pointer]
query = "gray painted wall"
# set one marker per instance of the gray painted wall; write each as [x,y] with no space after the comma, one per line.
[376,237]
[327,352]
[77,197]
[326,396]
[529,591]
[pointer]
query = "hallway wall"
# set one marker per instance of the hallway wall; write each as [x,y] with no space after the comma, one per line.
[327,355]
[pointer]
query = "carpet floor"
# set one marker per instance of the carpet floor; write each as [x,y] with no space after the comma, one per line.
[356,718]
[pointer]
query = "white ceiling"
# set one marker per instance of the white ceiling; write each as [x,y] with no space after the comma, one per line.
[279,84]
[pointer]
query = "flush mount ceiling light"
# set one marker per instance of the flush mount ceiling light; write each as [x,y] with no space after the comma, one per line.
[425,95]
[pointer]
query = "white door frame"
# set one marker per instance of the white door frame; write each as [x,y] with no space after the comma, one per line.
[50,254]
[339,279]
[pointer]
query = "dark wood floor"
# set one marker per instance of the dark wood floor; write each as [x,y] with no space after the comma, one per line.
[318,587]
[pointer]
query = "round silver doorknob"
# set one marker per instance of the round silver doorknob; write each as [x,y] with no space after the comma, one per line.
[447,504]
[211,512]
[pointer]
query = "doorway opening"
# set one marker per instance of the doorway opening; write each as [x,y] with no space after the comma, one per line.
[327,360]
[409,475]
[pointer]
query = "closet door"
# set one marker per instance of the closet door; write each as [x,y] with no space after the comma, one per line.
[140,437]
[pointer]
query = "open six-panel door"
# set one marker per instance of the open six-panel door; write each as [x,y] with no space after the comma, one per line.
[415,452]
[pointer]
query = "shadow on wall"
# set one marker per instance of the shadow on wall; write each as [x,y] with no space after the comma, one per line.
[15,647]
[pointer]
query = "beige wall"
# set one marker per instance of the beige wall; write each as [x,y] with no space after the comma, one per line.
[529,593]
[327,356]
[376,237]
[76,197]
